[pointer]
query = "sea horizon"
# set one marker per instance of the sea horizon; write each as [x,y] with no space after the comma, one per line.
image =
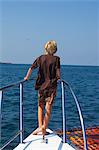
[81,65]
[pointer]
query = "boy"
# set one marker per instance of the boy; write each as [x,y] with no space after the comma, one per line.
[46,83]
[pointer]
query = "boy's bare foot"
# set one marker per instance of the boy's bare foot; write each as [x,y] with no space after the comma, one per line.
[37,131]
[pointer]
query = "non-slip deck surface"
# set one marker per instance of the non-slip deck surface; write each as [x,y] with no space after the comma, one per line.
[52,142]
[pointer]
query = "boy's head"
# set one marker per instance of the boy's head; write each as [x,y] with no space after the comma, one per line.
[50,47]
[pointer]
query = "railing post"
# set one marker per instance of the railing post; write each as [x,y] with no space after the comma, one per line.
[1,96]
[21,112]
[63,112]
[81,119]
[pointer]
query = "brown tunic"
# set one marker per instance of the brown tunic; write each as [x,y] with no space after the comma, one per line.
[48,74]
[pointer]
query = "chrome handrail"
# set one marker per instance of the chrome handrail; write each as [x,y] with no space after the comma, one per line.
[1,96]
[20,131]
[21,112]
[12,139]
[14,84]
[63,110]
[80,114]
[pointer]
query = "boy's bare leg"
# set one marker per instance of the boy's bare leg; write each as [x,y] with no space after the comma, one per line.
[47,115]
[40,114]
[40,118]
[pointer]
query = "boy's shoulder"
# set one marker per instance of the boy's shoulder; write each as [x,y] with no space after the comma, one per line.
[43,55]
[57,57]
[40,56]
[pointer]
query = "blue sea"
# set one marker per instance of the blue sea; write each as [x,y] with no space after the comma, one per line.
[84,81]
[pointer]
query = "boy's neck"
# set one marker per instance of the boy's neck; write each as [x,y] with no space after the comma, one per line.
[46,53]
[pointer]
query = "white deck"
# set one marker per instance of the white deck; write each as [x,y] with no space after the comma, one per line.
[53,142]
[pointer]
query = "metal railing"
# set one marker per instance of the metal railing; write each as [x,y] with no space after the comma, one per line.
[21,113]
[20,132]
[64,83]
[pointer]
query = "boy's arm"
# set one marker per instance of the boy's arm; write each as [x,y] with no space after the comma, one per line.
[33,66]
[58,69]
[28,74]
[58,73]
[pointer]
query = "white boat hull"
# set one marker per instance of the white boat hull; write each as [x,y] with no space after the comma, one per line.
[52,142]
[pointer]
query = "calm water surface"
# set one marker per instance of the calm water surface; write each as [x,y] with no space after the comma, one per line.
[84,81]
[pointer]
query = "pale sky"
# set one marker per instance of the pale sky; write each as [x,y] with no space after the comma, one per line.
[26,25]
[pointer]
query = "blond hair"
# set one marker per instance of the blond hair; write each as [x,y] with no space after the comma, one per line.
[51,47]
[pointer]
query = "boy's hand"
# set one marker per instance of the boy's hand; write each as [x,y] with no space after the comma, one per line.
[25,78]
